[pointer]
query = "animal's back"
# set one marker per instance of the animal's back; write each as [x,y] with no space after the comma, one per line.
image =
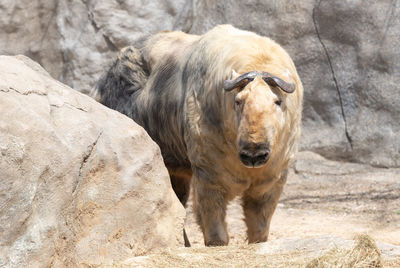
[144,84]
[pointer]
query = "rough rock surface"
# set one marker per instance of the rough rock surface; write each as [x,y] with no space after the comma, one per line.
[346,53]
[75,40]
[80,183]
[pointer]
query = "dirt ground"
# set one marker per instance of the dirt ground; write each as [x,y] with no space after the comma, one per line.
[324,197]
[325,206]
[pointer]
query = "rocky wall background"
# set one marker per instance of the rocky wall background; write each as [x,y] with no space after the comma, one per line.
[347,54]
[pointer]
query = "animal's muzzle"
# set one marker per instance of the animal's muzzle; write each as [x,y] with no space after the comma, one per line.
[254,154]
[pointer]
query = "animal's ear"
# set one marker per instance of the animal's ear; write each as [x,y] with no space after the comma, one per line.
[234,75]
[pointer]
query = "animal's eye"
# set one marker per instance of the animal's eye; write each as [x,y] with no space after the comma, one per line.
[278,102]
[238,102]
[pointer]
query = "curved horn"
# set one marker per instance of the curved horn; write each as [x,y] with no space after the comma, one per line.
[240,81]
[277,82]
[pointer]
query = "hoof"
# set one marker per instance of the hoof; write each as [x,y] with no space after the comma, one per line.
[185,238]
[216,243]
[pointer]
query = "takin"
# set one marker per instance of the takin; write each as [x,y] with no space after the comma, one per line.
[225,108]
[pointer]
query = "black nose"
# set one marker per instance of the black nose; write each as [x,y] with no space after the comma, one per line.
[254,154]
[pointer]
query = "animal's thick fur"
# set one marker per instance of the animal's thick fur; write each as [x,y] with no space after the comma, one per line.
[172,85]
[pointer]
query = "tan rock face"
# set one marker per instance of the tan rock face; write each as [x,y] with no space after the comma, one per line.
[80,183]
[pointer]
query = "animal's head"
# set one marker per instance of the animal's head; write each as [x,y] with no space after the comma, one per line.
[260,105]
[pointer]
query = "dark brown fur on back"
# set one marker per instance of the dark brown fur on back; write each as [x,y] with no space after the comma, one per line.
[124,88]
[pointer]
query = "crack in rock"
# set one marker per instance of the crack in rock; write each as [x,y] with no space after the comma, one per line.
[85,159]
[110,43]
[97,28]
[48,24]
[92,20]
[28,92]
[349,139]
[68,105]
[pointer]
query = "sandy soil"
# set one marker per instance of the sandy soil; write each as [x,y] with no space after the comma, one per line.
[325,204]
[324,197]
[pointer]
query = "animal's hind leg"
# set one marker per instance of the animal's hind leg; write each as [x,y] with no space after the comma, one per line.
[258,211]
[180,180]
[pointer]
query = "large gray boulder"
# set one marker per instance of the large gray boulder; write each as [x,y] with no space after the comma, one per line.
[80,184]
[346,53]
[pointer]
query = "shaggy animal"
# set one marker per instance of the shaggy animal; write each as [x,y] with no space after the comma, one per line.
[225,109]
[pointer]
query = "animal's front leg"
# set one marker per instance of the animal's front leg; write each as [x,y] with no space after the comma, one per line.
[210,208]
[258,211]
